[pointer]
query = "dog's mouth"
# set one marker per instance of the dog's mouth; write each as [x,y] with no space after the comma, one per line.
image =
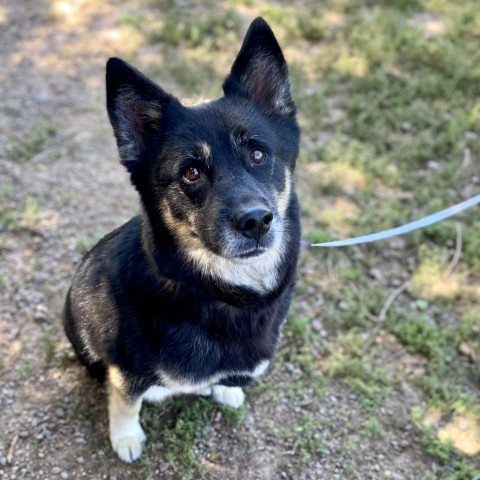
[252,252]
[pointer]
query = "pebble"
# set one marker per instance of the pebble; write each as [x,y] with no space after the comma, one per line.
[317,326]
[343,305]
[41,313]
[434,165]
[375,273]
[56,470]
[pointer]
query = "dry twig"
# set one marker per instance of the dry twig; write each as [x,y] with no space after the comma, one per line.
[397,292]
[11,448]
[458,252]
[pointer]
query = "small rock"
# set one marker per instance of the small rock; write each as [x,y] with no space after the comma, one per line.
[64,475]
[395,282]
[60,412]
[290,367]
[40,277]
[41,313]
[471,135]
[434,165]
[397,243]
[375,273]
[317,326]
[343,305]
[56,470]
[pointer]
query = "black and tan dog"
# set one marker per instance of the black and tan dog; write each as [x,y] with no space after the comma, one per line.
[189,296]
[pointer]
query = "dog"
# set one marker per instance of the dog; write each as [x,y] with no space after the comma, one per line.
[190,295]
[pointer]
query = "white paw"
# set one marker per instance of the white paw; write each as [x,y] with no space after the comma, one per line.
[128,443]
[231,396]
[204,392]
[157,394]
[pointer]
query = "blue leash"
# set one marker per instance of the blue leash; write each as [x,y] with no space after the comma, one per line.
[408,227]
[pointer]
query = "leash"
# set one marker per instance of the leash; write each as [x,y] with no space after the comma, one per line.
[408,227]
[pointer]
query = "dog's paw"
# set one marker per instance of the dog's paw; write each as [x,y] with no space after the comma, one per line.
[231,396]
[128,444]
[204,392]
[157,394]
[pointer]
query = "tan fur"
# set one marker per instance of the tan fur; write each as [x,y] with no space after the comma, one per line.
[205,150]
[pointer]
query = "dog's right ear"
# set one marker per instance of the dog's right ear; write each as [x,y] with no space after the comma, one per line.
[135,107]
[260,72]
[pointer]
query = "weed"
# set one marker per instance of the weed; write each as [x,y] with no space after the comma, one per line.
[305,436]
[135,20]
[234,416]
[182,423]
[373,428]
[419,333]
[37,141]
[210,31]
[49,344]
[26,369]
[369,381]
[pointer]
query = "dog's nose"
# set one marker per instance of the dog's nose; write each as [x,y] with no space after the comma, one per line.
[254,222]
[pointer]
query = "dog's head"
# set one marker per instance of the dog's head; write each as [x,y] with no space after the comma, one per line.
[216,175]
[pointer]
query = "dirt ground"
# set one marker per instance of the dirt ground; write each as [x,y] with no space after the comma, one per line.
[69,192]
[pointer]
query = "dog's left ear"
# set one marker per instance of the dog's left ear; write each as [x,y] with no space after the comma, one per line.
[135,107]
[260,72]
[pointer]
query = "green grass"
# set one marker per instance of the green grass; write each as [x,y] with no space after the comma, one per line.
[176,427]
[36,142]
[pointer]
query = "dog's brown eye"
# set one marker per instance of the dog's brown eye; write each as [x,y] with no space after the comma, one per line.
[192,174]
[257,155]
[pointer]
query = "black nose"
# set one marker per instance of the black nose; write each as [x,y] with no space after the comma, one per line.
[253,222]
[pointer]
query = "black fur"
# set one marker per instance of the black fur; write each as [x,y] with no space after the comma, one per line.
[138,301]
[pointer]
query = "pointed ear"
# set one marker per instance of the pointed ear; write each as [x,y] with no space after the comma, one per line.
[260,72]
[135,107]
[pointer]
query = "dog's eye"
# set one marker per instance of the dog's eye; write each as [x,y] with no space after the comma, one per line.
[257,155]
[192,174]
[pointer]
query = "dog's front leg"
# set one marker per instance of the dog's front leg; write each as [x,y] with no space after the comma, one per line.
[126,434]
